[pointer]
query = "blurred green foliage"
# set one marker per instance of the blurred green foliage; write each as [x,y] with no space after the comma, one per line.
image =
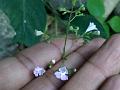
[114,22]
[24,22]
[25,17]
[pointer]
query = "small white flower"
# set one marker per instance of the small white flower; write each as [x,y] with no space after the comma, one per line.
[91,27]
[75,70]
[53,61]
[38,33]
[38,71]
[62,73]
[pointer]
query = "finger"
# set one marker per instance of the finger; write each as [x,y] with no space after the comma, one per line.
[105,63]
[112,83]
[16,72]
[42,53]
[74,60]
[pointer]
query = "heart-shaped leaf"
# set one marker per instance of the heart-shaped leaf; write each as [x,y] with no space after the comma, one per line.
[25,16]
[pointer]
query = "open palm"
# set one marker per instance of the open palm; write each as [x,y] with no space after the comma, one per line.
[97,65]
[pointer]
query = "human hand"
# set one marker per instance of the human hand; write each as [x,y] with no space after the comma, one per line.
[94,66]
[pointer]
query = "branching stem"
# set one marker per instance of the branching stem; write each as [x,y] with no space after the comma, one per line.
[66,36]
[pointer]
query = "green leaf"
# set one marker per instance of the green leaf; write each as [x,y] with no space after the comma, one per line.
[25,16]
[106,29]
[83,22]
[96,8]
[115,23]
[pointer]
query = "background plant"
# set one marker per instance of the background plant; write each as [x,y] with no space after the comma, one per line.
[31,22]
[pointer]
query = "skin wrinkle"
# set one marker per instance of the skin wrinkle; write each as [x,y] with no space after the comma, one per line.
[98,72]
[62,41]
[98,42]
[66,62]
[107,64]
[81,55]
[56,82]
[112,83]
[48,74]
[98,68]
[25,61]
[75,42]
[72,44]
[107,46]
[10,65]
[57,48]
[70,47]
[84,59]
[54,46]
[112,51]
[41,54]
[85,78]
[35,58]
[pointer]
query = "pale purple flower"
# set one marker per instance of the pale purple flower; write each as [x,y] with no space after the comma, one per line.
[38,71]
[62,73]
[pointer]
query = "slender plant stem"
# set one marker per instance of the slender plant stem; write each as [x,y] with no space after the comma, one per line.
[73,18]
[66,36]
[56,26]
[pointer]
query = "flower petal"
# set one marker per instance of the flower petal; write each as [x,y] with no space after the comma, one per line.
[57,74]
[38,71]
[64,77]
[36,74]
[63,70]
[91,27]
